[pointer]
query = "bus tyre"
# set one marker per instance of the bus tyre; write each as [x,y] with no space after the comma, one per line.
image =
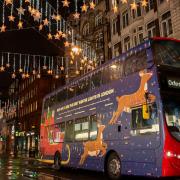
[57,161]
[113,166]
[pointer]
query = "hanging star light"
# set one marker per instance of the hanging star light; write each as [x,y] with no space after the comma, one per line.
[62,68]
[56,76]
[11,18]
[27,75]
[40,27]
[32,11]
[76,15]
[2,68]
[34,72]
[115,9]
[92,5]
[3,28]
[20,70]
[133,5]
[144,3]
[38,76]
[56,17]
[46,22]
[124,1]
[66,44]
[27,1]
[84,7]
[63,35]
[57,36]
[13,75]
[7,65]
[20,25]
[37,16]
[20,10]
[23,75]
[50,36]
[65,3]
[8,2]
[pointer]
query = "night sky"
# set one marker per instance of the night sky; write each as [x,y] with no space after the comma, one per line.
[29,41]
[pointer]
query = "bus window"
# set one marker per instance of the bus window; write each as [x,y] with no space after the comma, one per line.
[140,125]
[135,63]
[81,129]
[52,100]
[116,70]
[71,91]
[93,127]
[106,75]
[62,95]
[83,86]
[46,103]
[96,80]
[69,132]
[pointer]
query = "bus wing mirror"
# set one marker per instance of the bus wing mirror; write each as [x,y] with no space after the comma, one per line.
[145,111]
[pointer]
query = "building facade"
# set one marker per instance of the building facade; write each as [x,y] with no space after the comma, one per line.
[112,33]
[26,121]
[130,27]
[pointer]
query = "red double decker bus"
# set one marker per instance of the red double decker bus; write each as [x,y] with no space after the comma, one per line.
[122,118]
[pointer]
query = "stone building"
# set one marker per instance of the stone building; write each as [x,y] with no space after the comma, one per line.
[111,33]
[159,18]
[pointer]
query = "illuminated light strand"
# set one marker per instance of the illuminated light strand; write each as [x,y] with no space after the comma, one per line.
[3,27]
[14,69]
[39,70]
[8,64]
[20,61]
[11,17]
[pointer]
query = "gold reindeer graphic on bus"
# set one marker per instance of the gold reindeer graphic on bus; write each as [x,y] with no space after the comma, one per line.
[126,102]
[93,148]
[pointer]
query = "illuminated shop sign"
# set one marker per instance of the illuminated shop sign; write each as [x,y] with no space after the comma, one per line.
[173,82]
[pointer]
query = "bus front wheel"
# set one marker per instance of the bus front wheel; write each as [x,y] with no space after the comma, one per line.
[57,161]
[113,166]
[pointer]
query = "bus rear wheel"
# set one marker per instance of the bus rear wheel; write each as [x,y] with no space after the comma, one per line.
[57,161]
[113,166]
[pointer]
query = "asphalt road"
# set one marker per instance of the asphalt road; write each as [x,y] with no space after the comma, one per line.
[26,169]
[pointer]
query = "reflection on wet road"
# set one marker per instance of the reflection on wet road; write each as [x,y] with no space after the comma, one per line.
[25,169]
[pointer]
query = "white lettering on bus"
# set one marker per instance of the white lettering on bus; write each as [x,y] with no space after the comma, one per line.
[88,99]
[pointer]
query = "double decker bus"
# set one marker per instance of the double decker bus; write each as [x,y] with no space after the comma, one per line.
[122,118]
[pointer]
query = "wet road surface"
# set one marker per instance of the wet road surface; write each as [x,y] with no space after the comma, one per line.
[26,169]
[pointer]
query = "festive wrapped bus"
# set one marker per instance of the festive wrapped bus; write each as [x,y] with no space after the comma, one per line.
[122,118]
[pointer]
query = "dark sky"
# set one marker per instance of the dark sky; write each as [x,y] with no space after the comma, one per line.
[26,42]
[29,41]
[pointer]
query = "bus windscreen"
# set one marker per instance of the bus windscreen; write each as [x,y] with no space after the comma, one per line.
[167,53]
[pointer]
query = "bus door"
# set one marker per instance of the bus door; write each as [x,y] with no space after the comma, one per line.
[144,135]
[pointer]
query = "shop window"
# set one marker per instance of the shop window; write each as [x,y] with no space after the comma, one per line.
[98,19]
[125,19]
[150,5]
[166,24]
[151,29]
